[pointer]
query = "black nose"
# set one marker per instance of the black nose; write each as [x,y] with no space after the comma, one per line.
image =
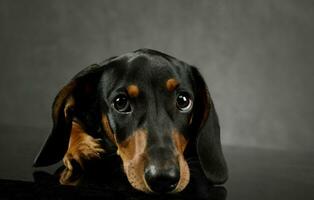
[162,180]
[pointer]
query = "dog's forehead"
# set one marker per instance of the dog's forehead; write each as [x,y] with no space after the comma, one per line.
[145,71]
[148,67]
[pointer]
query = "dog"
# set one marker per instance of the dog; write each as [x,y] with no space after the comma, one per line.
[151,109]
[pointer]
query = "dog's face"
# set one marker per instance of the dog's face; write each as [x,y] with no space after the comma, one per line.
[151,107]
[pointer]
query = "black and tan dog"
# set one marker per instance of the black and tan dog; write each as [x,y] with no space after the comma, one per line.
[151,109]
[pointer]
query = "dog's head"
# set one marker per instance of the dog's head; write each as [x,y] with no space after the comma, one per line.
[156,111]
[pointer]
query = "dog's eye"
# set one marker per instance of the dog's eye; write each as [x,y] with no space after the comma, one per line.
[121,104]
[184,102]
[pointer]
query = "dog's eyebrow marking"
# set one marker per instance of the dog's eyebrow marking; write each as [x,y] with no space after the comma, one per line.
[133,90]
[172,84]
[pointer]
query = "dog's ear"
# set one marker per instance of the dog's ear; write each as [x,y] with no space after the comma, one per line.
[74,99]
[205,121]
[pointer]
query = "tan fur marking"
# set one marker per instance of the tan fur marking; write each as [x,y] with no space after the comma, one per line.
[70,103]
[133,90]
[67,178]
[60,99]
[107,128]
[134,145]
[132,152]
[81,147]
[191,119]
[180,144]
[179,141]
[184,175]
[172,84]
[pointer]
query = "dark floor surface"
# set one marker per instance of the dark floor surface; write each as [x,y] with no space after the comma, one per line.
[255,174]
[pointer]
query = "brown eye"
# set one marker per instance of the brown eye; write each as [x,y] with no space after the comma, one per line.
[184,102]
[121,104]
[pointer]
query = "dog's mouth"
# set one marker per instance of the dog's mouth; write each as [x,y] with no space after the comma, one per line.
[151,176]
[151,180]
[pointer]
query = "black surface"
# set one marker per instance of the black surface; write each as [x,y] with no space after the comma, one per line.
[254,174]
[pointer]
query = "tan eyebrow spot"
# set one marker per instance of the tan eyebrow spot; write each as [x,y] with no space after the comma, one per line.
[172,84]
[133,90]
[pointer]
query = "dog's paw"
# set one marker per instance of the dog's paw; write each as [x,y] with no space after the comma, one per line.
[87,148]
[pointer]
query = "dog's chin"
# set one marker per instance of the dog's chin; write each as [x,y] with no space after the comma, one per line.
[135,173]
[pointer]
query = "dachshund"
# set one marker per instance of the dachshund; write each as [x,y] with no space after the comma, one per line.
[150,109]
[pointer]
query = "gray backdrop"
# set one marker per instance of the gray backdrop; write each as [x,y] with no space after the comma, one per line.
[256,55]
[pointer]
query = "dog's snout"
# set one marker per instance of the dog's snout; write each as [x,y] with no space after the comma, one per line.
[162,179]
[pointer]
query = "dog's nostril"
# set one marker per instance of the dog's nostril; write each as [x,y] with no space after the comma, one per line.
[162,180]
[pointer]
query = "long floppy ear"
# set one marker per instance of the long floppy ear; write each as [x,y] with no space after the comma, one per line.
[75,101]
[208,143]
